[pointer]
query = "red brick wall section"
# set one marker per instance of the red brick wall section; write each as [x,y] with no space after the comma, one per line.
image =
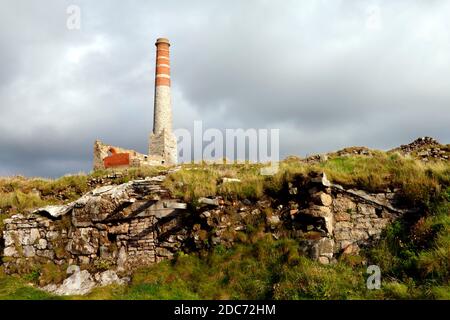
[117,160]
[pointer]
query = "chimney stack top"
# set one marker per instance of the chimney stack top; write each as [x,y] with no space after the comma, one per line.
[162,40]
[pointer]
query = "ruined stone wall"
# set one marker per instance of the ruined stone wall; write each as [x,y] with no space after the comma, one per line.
[121,225]
[138,223]
[344,220]
[134,159]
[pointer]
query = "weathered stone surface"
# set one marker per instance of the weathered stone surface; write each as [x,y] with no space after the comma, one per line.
[84,241]
[321,212]
[359,234]
[341,216]
[119,229]
[212,202]
[28,251]
[326,247]
[107,278]
[52,235]
[55,211]
[365,209]
[10,252]
[72,269]
[49,254]
[352,248]
[79,283]
[344,205]
[42,244]
[317,211]
[122,259]
[8,238]
[343,225]
[342,235]
[322,199]
[324,260]
[322,179]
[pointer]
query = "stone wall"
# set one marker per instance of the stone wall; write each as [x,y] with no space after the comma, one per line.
[164,144]
[121,225]
[138,223]
[107,156]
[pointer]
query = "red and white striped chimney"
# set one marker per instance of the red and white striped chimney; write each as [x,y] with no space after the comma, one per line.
[162,140]
[163,104]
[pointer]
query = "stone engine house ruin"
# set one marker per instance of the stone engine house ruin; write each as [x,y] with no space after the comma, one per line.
[162,144]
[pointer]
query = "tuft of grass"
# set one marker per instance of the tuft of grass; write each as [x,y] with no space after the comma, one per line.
[15,288]
[20,201]
[192,183]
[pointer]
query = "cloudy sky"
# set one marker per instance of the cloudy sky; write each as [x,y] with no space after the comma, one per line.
[328,74]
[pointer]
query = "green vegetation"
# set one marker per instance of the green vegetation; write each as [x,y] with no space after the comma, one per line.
[16,288]
[19,193]
[419,183]
[194,181]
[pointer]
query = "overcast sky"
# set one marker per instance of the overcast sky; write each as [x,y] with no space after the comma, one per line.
[328,74]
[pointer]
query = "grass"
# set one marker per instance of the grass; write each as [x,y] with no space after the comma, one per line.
[16,288]
[18,194]
[418,183]
[418,256]
[265,269]
[20,201]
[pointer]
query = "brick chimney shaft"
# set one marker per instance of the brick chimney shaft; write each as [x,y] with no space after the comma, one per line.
[163,105]
[162,141]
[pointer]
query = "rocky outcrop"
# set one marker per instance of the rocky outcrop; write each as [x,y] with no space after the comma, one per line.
[426,149]
[346,152]
[81,282]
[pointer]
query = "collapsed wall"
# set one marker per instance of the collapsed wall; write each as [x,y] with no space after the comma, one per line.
[107,156]
[139,223]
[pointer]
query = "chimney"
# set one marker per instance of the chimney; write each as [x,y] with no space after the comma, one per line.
[163,105]
[162,140]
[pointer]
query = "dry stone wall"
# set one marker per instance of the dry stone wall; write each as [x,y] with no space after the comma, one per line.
[139,223]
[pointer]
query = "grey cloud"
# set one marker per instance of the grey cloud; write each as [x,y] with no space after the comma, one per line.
[328,74]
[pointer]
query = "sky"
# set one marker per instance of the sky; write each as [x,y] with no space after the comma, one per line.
[328,74]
